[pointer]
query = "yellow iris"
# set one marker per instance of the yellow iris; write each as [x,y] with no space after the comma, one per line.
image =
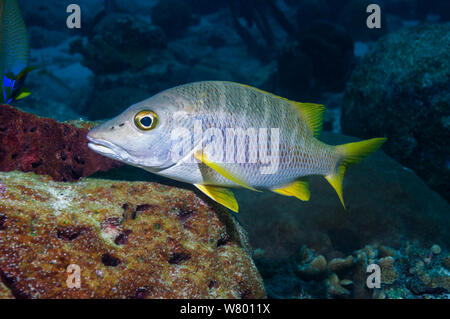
[146,120]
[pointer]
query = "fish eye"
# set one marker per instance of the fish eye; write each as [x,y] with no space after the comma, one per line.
[146,120]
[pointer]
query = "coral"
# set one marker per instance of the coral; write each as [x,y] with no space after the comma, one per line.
[173,16]
[29,143]
[401,90]
[388,273]
[411,272]
[313,269]
[130,240]
[334,287]
[427,273]
[340,264]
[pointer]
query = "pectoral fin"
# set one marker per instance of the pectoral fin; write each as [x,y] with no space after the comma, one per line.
[299,189]
[221,195]
[221,170]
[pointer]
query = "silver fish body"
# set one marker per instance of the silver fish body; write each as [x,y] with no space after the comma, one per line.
[225,134]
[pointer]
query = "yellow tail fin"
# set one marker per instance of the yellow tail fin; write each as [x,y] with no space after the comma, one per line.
[352,153]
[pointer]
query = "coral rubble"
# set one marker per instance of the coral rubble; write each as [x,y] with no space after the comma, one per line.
[413,272]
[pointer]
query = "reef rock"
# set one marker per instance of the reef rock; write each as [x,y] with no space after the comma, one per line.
[120,42]
[42,145]
[385,202]
[129,240]
[401,90]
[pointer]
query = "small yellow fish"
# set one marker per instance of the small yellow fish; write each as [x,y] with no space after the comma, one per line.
[221,135]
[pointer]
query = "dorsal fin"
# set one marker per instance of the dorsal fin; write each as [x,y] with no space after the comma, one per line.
[313,115]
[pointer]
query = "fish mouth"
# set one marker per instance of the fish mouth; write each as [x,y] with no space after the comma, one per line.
[105,148]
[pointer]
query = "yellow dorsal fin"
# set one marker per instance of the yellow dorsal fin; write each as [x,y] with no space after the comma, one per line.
[299,189]
[313,115]
[352,153]
[199,155]
[221,195]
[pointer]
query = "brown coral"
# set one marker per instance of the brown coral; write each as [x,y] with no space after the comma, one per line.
[388,273]
[175,246]
[44,146]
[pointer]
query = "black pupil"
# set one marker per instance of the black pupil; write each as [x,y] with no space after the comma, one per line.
[146,121]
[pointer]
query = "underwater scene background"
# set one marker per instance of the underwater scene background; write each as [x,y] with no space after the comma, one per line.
[134,234]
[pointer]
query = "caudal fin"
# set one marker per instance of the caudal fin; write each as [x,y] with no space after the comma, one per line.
[352,153]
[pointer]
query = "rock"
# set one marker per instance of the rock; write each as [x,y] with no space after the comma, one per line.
[41,37]
[120,42]
[42,145]
[385,202]
[401,90]
[61,86]
[130,240]
[173,16]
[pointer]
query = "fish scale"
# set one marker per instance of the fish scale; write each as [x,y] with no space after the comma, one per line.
[267,111]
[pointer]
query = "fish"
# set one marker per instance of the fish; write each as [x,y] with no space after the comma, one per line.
[14,52]
[220,135]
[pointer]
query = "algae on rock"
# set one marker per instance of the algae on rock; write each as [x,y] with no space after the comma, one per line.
[130,240]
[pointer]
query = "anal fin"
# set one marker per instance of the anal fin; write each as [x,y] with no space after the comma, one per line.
[298,188]
[221,195]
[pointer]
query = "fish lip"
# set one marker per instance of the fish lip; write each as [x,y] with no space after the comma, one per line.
[113,150]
